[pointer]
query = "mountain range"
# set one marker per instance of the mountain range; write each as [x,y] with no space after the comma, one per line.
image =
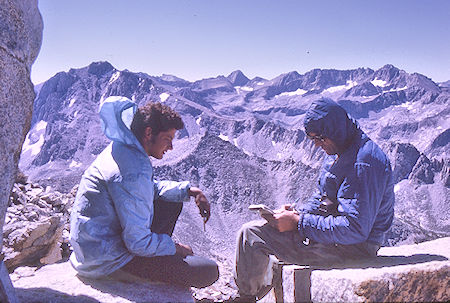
[243,141]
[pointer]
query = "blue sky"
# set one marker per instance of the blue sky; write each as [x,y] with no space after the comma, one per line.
[201,39]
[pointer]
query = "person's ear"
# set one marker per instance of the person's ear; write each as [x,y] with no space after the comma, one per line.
[148,133]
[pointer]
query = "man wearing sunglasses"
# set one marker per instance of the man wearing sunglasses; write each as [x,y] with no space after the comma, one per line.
[345,218]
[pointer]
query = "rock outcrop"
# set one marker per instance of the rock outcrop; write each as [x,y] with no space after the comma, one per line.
[36,225]
[20,41]
[409,273]
[60,283]
[403,158]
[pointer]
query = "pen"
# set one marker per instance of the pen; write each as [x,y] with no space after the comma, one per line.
[292,207]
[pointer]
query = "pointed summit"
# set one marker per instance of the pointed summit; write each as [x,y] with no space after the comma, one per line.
[389,67]
[388,73]
[237,78]
[100,68]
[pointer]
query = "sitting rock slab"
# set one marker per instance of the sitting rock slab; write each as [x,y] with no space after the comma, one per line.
[409,273]
[60,283]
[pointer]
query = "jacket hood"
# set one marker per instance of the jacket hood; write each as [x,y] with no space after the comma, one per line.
[116,115]
[325,117]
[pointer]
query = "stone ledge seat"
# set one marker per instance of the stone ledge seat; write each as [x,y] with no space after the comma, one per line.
[397,274]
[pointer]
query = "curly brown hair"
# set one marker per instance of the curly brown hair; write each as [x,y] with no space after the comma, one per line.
[158,117]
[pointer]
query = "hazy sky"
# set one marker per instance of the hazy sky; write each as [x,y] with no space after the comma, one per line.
[201,39]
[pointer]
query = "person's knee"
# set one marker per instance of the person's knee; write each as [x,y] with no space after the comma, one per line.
[208,275]
[250,228]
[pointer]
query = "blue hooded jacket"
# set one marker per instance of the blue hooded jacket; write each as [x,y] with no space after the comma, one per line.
[358,180]
[113,210]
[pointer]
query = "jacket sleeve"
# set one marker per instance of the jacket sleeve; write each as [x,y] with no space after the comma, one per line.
[312,205]
[359,197]
[133,199]
[172,191]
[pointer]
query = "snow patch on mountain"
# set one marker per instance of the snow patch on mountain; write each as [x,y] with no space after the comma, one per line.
[408,105]
[379,82]
[224,137]
[349,84]
[35,139]
[72,101]
[163,97]
[114,78]
[239,89]
[297,92]
[398,89]
[247,152]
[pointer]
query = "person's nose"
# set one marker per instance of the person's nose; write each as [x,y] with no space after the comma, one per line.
[170,146]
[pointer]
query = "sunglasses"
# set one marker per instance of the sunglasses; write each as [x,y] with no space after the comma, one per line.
[320,138]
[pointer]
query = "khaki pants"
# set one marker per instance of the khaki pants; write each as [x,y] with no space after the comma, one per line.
[257,241]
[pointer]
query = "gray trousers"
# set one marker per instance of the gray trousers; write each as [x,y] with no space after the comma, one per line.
[257,241]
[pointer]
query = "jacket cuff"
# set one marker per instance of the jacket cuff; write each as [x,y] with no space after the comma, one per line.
[171,248]
[185,186]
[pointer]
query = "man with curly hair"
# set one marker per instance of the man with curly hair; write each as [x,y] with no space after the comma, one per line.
[122,219]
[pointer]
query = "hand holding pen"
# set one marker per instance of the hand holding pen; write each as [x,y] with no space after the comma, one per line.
[202,204]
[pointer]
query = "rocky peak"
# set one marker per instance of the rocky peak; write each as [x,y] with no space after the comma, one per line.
[423,171]
[286,80]
[100,68]
[419,80]
[387,73]
[51,93]
[319,79]
[128,84]
[219,83]
[237,78]
[440,145]
[403,158]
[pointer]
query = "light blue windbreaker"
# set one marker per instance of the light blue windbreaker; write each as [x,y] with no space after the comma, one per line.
[113,210]
[359,180]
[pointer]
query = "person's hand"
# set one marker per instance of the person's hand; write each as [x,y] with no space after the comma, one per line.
[286,220]
[183,250]
[201,201]
[288,207]
[283,208]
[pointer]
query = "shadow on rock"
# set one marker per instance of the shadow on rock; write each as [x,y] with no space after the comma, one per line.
[138,290]
[43,294]
[386,261]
